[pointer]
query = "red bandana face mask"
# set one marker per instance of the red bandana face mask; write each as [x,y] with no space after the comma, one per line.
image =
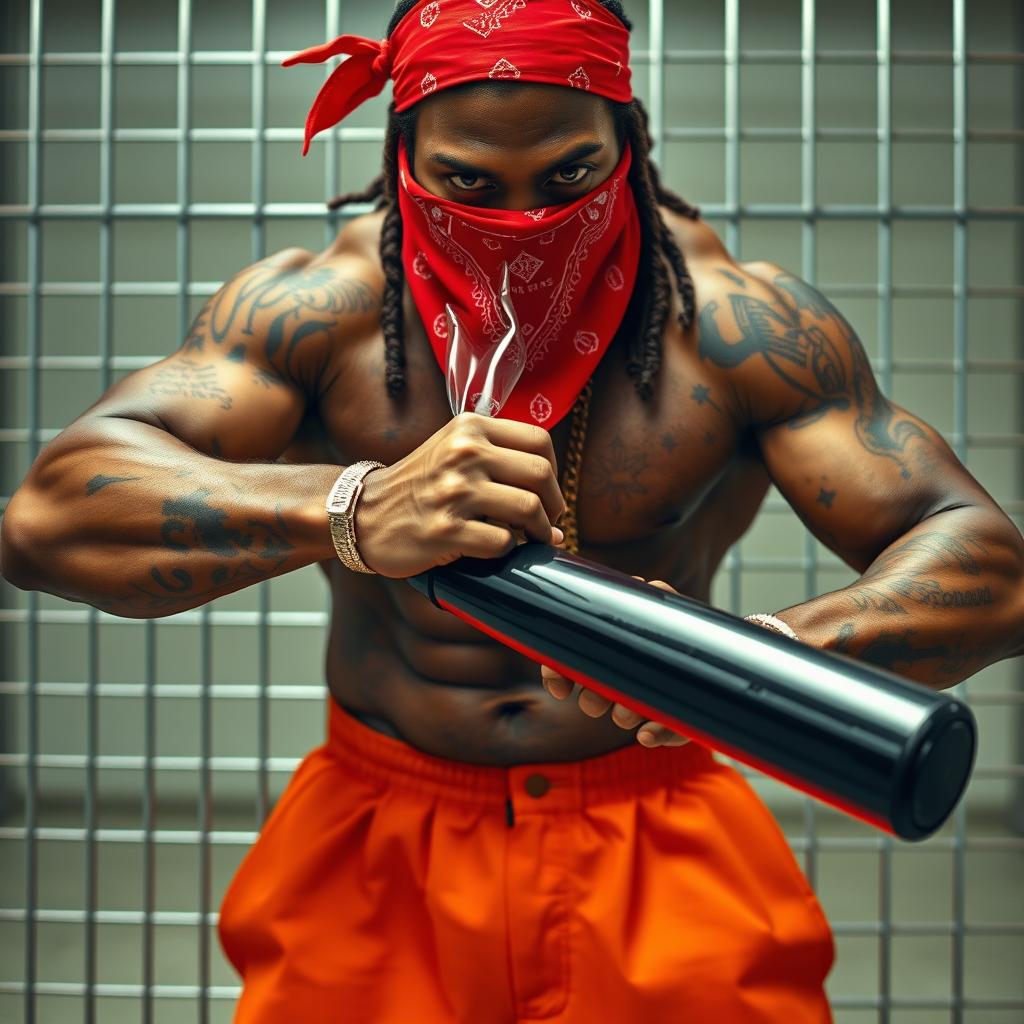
[571,271]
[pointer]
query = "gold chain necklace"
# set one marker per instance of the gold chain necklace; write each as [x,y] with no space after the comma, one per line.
[573,460]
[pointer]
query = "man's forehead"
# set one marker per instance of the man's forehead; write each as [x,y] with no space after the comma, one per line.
[533,112]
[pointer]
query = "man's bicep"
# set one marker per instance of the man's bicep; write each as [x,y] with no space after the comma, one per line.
[253,359]
[228,408]
[859,482]
[858,469]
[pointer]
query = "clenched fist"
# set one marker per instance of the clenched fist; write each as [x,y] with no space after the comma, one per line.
[469,489]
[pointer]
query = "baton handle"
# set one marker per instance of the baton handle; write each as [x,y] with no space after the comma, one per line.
[887,750]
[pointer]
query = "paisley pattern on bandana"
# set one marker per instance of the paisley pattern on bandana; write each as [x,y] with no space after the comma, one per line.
[569,43]
[572,273]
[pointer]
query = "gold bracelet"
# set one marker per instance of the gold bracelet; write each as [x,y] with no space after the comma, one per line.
[775,624]
[341,508]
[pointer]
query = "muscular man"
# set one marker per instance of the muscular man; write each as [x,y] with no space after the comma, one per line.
[465,847]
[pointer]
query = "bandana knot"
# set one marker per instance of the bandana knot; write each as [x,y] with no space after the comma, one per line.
[381,65]
[355,80]
[570,43]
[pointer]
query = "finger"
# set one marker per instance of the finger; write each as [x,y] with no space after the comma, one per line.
[529,472]
[651,734]
[662,585]
[593,704]
[515,507]
[557,685]
[626,719]
[522,437]
[482,540]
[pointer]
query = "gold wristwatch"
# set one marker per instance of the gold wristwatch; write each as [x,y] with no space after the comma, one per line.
[341,507]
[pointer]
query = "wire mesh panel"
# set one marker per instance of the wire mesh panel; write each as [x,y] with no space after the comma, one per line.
[149,149]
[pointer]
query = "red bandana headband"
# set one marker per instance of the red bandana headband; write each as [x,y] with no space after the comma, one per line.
[443,43]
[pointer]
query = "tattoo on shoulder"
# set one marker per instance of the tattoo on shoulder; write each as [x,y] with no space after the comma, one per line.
[735,278]
[299,305]
[808,344]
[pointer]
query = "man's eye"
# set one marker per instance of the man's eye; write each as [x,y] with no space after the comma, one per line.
[572,175]
[467,182]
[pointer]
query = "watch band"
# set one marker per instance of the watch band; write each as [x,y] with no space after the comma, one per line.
[341,507]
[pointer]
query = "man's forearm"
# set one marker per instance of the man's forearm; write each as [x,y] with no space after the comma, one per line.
[943,601]
[124,516]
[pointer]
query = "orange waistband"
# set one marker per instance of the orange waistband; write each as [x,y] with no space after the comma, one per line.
[566,785]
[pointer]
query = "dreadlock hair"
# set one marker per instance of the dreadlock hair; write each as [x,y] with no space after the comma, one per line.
[643,324]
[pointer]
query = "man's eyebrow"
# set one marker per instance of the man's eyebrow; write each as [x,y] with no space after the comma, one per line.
[462,167]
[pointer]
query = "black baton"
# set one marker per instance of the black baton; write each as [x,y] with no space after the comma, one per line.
[885,749]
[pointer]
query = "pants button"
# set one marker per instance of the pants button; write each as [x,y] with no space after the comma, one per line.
[537,785]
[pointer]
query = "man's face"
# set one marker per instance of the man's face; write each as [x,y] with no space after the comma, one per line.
[517,147]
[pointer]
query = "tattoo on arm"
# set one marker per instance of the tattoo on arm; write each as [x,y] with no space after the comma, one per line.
[905,573]
[796,337]
[98,482]
[191,525]
[185,378]
[892,650]
[844,637]
[825,497]
[931,547]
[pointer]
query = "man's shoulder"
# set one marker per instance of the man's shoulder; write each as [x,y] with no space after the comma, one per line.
[698,241]
[344,281]
[357,246]
[710,264]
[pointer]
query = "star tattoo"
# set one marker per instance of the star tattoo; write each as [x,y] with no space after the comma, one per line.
[701,394]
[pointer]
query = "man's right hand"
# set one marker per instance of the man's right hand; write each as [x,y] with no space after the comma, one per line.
[461,492]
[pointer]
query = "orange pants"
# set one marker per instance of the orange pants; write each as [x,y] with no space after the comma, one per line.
[638,887]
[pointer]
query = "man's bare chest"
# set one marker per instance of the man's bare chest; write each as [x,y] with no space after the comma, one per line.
[646,465]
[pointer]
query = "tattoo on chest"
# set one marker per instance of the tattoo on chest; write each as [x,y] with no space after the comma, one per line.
[701,394]
[187,379]
[613,475]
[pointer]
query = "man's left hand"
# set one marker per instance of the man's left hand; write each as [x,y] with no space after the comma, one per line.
[650,734]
